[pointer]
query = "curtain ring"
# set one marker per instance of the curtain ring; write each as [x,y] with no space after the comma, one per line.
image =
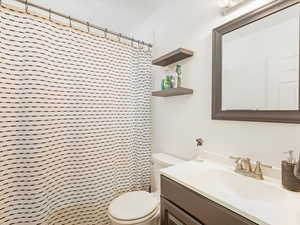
[26,6]
[120,35]
[50,14]
[70,21]
[88,26]
[105,32]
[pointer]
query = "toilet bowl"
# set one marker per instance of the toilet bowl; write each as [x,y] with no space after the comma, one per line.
[137,207]
[140,207]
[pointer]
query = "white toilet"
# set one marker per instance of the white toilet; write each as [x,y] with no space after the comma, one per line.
[140,207]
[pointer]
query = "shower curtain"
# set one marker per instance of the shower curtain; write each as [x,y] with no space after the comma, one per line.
[75,121]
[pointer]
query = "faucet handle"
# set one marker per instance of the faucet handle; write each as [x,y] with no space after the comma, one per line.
[238,162]
[246,163]
[257,171]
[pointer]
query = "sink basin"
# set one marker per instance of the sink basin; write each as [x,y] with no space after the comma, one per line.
[263,202]
[243,187]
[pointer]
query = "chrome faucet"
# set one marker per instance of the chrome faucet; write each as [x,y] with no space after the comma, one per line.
[244,167]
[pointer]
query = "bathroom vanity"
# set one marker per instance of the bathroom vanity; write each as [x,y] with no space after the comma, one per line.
[180,205]
[208,193]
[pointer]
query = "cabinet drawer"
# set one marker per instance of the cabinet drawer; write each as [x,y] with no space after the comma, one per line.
[172,215]
[205,210]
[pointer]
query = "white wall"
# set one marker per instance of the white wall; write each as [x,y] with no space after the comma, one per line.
[117,15]
[178,121]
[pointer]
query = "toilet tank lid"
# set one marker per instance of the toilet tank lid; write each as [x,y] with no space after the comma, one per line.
[165,159]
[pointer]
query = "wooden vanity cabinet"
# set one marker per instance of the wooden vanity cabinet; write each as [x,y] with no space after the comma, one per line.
[172,215]
[182,206]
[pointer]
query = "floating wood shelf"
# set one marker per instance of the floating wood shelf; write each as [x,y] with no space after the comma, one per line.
[173,57]
[173,92]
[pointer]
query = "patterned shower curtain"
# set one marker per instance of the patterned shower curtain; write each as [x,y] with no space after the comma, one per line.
[75,121]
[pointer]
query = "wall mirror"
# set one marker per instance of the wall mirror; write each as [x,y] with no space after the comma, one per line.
[256,65]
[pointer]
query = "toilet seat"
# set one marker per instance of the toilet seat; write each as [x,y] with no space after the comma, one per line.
[133,207]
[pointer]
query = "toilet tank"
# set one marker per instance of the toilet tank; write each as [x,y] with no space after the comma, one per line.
[160,161]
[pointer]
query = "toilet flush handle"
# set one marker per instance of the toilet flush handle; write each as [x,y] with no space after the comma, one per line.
[199,142]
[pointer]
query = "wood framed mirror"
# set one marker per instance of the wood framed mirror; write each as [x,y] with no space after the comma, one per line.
[256,65]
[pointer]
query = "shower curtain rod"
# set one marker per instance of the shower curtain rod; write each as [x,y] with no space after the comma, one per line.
[105,30]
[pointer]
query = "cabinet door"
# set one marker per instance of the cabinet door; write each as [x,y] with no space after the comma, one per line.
[172,215]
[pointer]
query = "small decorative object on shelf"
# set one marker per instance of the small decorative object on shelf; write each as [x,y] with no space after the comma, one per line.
[166,83]
[173,81]
[179,76]
[162,86]
[169,82]
[172,85]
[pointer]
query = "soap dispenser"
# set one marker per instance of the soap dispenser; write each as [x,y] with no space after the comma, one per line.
[288,169]
[297,169]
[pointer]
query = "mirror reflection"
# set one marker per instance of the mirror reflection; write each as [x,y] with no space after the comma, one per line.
[260,64]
